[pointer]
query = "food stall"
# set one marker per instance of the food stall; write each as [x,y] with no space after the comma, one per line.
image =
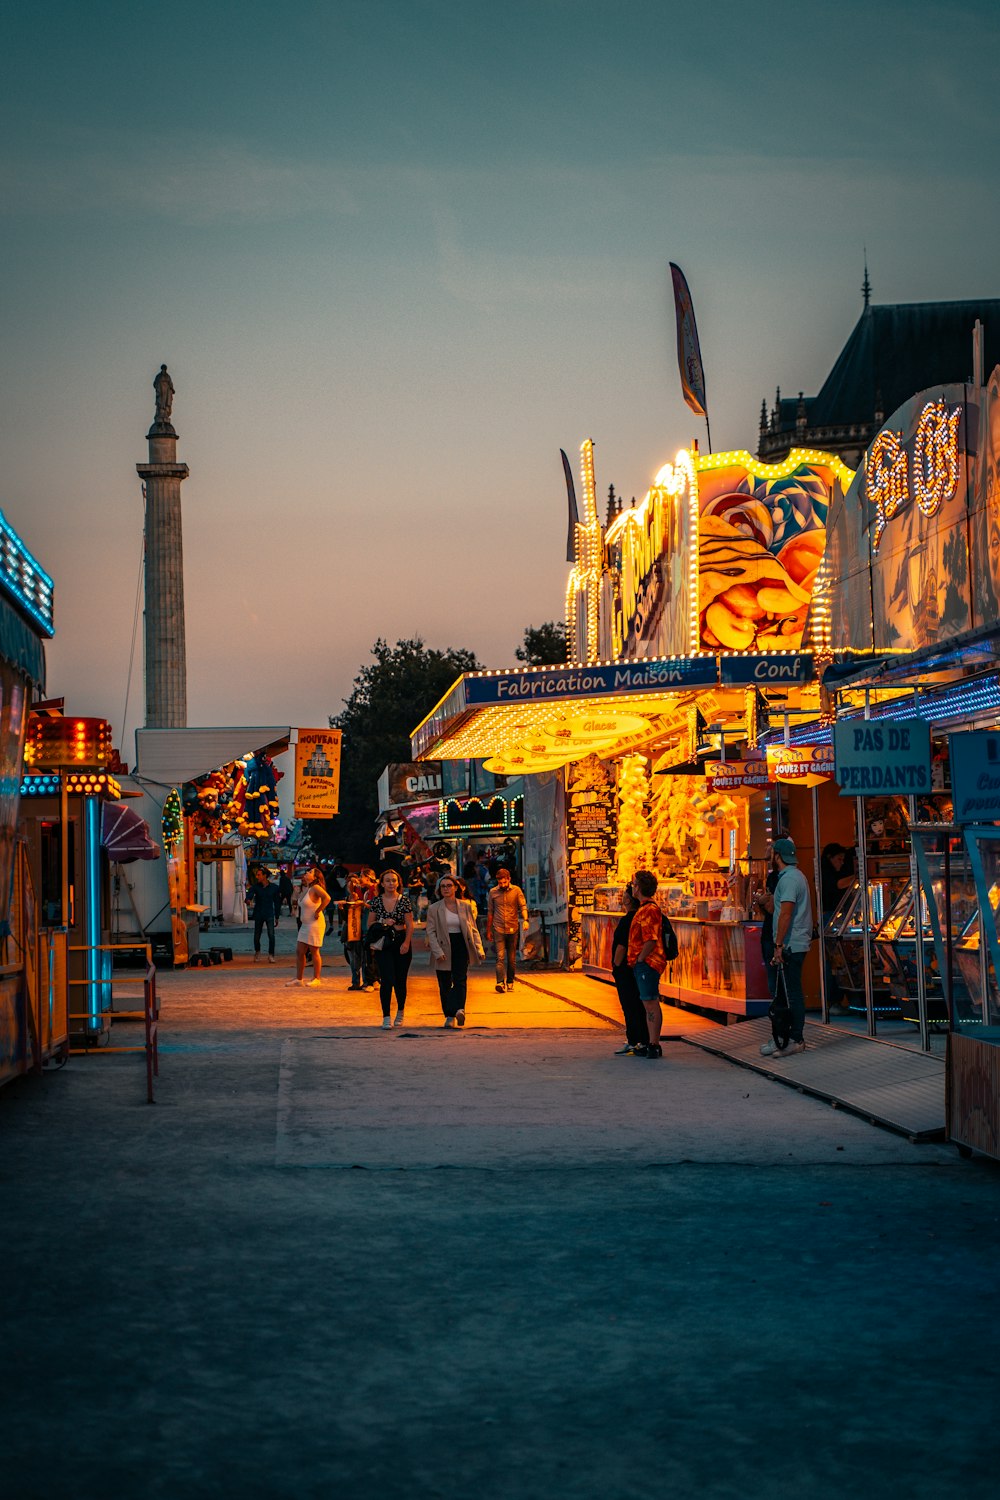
[685,621]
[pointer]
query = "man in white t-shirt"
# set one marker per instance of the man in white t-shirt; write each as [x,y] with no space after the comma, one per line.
[793,931]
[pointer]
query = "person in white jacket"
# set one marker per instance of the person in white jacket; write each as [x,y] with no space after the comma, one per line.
[454,941]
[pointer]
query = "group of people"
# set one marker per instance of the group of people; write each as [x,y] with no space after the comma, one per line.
[376,927]
[639,953]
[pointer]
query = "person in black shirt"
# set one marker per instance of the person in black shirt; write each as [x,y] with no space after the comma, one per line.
[636,1027]
[266,902]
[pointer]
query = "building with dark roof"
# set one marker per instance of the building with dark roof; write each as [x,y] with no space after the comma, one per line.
[893,352]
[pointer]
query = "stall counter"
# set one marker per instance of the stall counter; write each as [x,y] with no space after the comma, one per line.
[718,966]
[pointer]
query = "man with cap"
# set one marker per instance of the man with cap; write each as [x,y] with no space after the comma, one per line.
[793,930]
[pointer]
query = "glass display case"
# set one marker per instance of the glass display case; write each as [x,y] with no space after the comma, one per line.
[896,946]
[844,943]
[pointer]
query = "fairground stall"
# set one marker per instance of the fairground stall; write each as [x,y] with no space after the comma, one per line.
[686,617]
[32,966]
[911,591]
[210,797]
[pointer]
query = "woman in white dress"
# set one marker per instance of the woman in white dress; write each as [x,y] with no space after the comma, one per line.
[313,901]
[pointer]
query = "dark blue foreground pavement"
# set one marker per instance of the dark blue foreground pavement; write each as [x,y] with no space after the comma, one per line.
[505,1264]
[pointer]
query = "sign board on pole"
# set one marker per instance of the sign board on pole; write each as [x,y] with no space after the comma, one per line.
[736,775]
[975,776]
[879,757]
[317,773]
[806,765]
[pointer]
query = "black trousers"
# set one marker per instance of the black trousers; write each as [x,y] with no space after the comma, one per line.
[636,1027]
[453,982]
[393,968]
[259,923]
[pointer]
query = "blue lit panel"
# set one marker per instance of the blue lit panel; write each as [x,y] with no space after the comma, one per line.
[39,786]
[24,579]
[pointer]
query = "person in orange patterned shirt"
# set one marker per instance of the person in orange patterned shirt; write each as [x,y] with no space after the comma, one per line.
[647,958]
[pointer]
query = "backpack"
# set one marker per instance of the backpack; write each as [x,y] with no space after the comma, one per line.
[669,939]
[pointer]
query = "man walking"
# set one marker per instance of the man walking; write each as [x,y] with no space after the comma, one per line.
[266,901]
[506,915]
[793,929]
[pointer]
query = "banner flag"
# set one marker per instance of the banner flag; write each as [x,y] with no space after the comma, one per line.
[317,773]
[689,363]
[574,510]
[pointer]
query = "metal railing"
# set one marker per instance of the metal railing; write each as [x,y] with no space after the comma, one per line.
[149,1015]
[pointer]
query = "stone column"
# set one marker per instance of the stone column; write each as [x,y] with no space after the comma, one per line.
[165,658]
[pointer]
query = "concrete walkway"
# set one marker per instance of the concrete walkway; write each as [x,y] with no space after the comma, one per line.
[336,1261]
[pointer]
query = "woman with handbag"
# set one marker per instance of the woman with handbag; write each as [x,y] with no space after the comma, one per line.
[454,941]
[391,940]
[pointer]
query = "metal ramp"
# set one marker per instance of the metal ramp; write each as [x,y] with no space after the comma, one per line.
[896,1087]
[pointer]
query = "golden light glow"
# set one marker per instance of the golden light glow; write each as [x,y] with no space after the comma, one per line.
[935,456]
[887,479]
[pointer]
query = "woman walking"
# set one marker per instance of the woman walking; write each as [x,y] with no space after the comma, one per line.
[313,901]
[454,941]
[393,912]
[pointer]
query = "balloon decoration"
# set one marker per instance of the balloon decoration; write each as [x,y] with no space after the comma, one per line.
[635,845]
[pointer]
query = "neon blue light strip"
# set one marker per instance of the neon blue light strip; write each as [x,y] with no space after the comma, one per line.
[92,896]
[24,578]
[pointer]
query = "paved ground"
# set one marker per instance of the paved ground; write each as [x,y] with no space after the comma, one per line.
[333,1261]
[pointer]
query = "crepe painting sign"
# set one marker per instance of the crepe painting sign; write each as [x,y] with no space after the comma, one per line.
[761,539]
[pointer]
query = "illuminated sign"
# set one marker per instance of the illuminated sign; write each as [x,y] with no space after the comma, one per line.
[889,481]
[806,765]
[878,756]
[736,775]
[24,579]
[52,743]
[743,671]
[722,556]
[597,681]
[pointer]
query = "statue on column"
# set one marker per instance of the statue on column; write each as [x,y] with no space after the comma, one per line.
[164,388]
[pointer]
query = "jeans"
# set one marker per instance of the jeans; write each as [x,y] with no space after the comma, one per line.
[259,923]
[636,1028]
[505,945]
[791,968]
[393,968]
[453,982]
[354,953]
[647,982]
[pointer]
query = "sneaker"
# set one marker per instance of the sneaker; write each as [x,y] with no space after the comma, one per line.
[289,982]
[510,984]
[653,1050]
[354,987]
[460,1017]
[312,984]
[794,1047]
[270,958]
[367,988]
[449,1021]
[625,1051]
[256,958]
[640,1049]
[501,989]
[386,1023]
[399,1021]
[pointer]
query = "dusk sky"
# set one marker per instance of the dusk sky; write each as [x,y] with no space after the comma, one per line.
[396,255]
